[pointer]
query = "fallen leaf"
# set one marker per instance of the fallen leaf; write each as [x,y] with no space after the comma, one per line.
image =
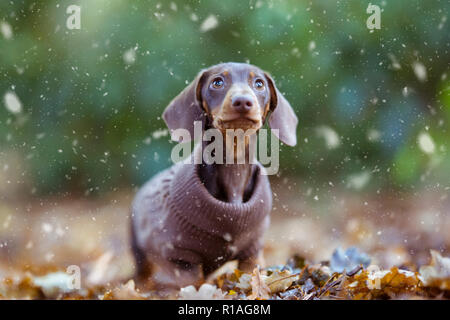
[53,284]
[244,282]
[348,260]
[280,280]
[374,283]
[437,274]
[260,290]
[205,292]
[125,291]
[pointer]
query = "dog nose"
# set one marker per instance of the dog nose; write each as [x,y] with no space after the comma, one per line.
[242,103]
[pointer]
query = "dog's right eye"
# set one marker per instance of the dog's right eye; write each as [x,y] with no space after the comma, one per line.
[183,265]
[217,83]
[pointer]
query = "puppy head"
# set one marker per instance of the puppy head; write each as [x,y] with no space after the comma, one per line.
[233,96]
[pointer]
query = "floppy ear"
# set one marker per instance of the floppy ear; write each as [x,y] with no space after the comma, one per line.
[186,108]
[282,115]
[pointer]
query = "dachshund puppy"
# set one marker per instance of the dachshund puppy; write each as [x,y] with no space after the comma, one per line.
[192,218]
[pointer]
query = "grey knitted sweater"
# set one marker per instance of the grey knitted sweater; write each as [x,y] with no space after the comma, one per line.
[176,219]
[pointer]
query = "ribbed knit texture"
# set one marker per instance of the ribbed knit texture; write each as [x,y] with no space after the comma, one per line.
[189,199]
[175,217]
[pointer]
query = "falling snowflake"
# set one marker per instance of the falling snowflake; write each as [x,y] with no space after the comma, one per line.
[12,102]
[373,135]
[331,137]
[406,91]
[194,17]
[426,143]
[129,57]
[160,133]
[6,30]
[420,71]
[395,64]
[358,180]
[210,23]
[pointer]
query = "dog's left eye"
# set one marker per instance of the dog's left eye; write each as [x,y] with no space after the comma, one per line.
[217,83]
[259,84]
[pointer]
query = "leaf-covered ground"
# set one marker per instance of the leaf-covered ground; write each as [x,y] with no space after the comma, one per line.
[293,281]
[340,247]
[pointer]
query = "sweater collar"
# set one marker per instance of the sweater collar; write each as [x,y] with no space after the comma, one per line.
[192,203]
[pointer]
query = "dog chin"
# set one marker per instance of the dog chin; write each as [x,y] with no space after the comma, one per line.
[239,123]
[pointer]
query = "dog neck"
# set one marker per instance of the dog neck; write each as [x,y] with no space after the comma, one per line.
[229,182]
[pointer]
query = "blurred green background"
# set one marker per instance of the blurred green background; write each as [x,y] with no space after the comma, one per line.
[374,107]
